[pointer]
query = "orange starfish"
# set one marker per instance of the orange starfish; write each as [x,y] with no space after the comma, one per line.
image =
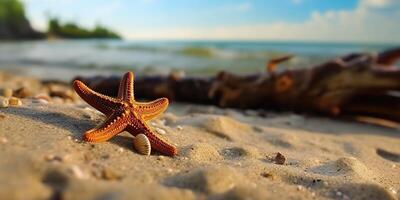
[124,113]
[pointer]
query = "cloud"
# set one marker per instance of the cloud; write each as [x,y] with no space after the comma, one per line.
[375,3]
[370,21]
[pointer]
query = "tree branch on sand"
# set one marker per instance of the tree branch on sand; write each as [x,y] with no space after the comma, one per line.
[358,84]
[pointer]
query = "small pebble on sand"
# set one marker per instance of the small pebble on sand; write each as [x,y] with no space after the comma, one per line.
[279,159]
[300,188]
[179,128]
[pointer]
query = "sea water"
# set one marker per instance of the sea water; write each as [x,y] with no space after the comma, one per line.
[64,59]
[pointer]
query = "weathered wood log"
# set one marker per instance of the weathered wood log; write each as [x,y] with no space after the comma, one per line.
[355,84]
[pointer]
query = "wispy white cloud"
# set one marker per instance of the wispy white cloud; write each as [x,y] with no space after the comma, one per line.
[365,23]
[376,3]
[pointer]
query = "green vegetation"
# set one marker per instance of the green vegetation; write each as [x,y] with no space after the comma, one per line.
[15,25]
[13,22]
[71,30]
[11,10]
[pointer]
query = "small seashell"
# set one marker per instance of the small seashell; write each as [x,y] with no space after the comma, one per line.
[7,92]
[14,101]
[3,102]
[142,144]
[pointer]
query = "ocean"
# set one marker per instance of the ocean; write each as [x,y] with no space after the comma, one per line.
[64,59]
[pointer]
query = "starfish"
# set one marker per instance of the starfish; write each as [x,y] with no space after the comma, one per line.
[123,113]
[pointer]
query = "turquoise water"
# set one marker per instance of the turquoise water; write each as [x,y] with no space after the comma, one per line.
[64,58]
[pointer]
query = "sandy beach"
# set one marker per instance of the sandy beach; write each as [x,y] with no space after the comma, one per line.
[222,154]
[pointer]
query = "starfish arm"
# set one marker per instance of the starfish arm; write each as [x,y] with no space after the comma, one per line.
[114,124]
[152,109]
[125,90]
[101,102]
[157,143]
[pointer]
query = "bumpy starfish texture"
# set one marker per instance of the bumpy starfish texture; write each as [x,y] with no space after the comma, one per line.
[124,113]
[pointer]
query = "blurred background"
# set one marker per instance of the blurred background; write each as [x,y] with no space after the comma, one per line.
[58,39]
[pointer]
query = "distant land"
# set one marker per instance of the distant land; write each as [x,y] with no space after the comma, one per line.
[14,25]
[71,30]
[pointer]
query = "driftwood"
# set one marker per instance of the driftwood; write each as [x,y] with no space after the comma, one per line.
[356,84]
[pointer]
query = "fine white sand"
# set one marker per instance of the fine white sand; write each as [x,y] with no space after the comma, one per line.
[223,154]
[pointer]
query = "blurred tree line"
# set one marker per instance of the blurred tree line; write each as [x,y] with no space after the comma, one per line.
[13,22]
[15,25]
[71,30]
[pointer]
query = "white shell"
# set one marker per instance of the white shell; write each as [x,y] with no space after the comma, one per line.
[3,102]
[142,144]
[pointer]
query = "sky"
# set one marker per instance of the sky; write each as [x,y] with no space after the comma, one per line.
[367,21]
